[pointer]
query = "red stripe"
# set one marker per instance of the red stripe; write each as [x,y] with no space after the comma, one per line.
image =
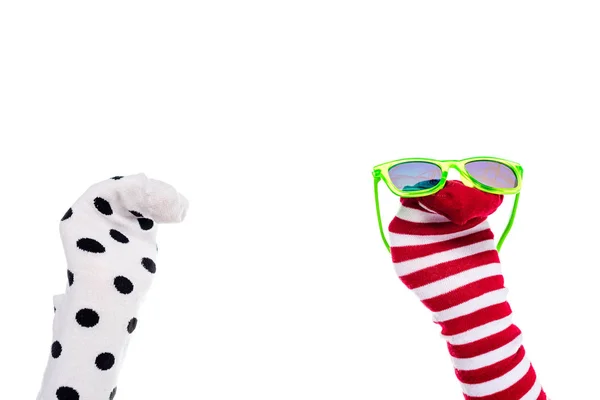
[464,293]
[491,371]
[542,396]
[475,319]
[516,391]
[442,228]
[405,253]
[449,268]
[484,345]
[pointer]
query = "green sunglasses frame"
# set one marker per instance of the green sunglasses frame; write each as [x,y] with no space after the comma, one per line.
[381,172]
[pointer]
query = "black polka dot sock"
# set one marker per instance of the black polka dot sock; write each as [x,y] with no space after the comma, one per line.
[109,238]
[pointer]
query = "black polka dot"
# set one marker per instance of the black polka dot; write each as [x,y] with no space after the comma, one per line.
[103,206]
[149,265]
[87,318]
[105,361]
[132,325]
[123,285]
[112,394]
[68,214]
[116,178]
[146,223]
[56,349]
[54,309]
[118,236]
[91,245]
[136,214]
[67,393]
[70,277]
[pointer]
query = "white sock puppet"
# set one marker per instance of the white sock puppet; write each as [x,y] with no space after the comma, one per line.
[109,238]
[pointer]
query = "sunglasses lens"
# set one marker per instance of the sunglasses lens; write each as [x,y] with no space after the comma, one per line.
[493,174]
[415,176]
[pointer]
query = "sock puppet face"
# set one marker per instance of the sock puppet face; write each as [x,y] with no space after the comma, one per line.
[444,251]
[459,203]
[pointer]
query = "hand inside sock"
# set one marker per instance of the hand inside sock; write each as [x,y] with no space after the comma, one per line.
[444,251]
[109,238]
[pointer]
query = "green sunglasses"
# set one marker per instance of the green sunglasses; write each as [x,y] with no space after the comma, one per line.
[419,177]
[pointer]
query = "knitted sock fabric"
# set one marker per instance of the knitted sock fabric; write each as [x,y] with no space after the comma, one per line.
[444,251]
[109,238]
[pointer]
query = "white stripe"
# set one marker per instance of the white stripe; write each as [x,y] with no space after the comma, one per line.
[480,332]
[414,215]
[453,282]
[416,264]
[534,392]
[499,384]
[492,357]
[483,301]
[402,239]
[426,208]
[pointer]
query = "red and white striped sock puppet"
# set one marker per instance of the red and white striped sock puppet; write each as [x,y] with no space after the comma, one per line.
[444,251]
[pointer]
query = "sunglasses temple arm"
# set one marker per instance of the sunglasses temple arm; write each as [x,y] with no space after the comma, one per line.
[510,222]
[376,180]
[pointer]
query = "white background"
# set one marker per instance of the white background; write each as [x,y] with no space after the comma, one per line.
[268,116]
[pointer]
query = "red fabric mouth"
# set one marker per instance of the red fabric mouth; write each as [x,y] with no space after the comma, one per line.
[459,203]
